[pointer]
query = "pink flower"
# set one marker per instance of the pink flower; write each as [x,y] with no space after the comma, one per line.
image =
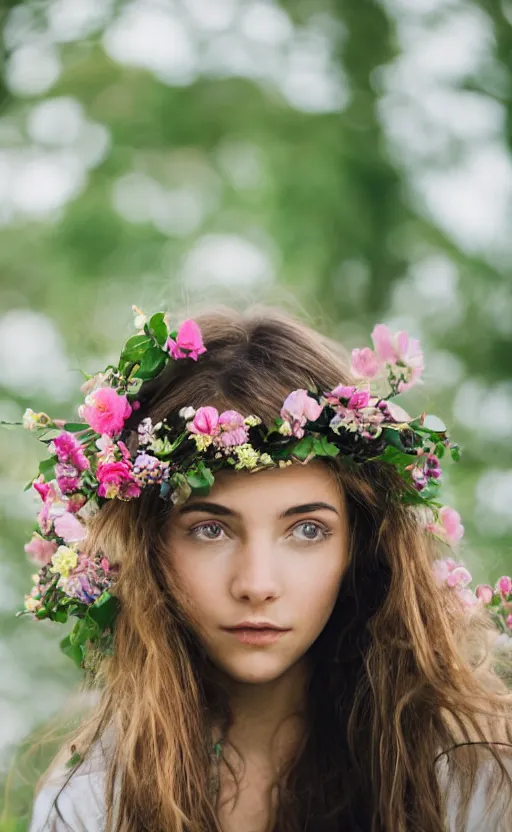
[40,550]
[76,502]
[485,593]
[116,480]
[54,504]
[297,409]
[459,577]
[504,585]
[42,488]
[442,568]
[105,411]
[68,477]
[206,421]
[342,391]
[69,450]
[450,528]
[467,597]
[359,399]
[399,350]
[365,364]
[188,343]
[234,431]
[508,621]
[70,528]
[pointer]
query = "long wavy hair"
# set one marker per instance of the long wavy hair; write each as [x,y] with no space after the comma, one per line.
[403,683]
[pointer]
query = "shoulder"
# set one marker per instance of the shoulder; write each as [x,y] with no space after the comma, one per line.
[72,801]
[488,802]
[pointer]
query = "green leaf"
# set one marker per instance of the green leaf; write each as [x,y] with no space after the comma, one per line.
[322,447]
[73,427]
[440,450]
[73,651]
[455,452]
[393,438]
[104,610]
[84,630]
[200,479]
[153,361]
[158,327]
[47,468]
[303,448]
[61,616]
[135,348]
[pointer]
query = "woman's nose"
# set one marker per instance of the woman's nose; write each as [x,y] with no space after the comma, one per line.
[255,573]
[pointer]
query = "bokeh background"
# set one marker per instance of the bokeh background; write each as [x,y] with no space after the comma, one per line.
[349,159]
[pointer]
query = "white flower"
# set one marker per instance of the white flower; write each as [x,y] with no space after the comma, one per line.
[32,421]
[139,318]
[187,413]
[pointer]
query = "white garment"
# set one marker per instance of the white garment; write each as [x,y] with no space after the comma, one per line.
[82,802]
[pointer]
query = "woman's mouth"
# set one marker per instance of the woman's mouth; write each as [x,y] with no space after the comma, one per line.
[257,636]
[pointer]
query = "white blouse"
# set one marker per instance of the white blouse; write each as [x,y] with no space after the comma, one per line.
[81,802]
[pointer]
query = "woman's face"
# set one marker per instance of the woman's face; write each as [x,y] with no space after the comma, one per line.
[267,547]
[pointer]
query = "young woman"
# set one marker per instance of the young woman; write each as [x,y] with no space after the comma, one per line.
[283,657]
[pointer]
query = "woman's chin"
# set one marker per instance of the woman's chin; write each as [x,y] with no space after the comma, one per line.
[254,668]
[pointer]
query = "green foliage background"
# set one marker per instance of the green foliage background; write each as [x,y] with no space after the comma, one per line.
[350,160]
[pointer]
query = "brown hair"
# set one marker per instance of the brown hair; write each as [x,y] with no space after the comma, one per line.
[402,677]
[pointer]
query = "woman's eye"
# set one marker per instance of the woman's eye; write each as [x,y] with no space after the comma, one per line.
[207,531]
[311,531]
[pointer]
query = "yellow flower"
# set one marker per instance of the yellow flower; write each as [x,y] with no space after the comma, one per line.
[202,440]
[247,456]
[266,459]
[64,560]
[252,421]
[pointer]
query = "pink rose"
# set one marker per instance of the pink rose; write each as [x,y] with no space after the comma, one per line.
[188,343]
[485,593]
[504,585]
[116,480]
[69,450]
[105,411]
[233,429]
[69,528]
[359,399]
[365,364]
[40,550]
[297,409]
[206,421]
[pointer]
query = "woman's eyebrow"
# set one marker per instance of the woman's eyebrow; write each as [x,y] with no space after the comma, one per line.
[220,510]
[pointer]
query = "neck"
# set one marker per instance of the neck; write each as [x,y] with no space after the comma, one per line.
[269,715]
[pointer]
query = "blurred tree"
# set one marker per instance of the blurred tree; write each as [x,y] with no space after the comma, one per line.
[355,153]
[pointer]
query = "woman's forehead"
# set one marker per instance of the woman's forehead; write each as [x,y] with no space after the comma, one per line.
[275,489]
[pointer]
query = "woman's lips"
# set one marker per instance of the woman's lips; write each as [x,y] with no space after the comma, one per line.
[258,637]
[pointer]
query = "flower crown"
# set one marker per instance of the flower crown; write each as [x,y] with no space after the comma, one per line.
[90,463]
